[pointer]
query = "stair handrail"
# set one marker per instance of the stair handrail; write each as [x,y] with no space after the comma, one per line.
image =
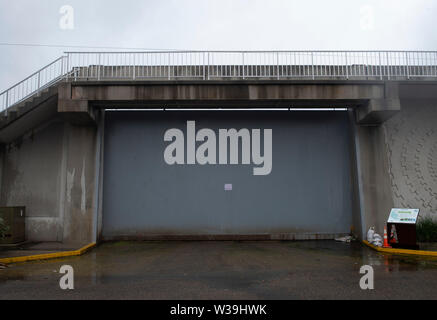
[6,99]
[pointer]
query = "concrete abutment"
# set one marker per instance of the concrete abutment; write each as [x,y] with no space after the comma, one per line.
[54,167]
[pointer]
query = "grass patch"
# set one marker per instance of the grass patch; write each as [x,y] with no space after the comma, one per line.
[427,230]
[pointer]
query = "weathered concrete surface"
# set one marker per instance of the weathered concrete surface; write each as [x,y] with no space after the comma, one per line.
[373,181]
[79,202]
[225,91]
[32,169]
[411,144]
[225,270]
[28,117]
[377,111]
[127,94]
[74,111]
[398,163]
[50,170]
[418,90]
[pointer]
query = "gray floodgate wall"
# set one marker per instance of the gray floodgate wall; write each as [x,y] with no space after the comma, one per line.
[308,191]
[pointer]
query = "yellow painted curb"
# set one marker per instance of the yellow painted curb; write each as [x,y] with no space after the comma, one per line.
[402,251]
[46,256]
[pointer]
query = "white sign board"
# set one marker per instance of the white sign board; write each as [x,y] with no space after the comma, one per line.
[403,216]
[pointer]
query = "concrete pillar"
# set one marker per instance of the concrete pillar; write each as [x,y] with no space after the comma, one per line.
[80,187]
[373,177]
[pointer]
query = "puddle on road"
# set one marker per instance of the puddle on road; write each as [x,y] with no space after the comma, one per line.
[123,261]
[395,263]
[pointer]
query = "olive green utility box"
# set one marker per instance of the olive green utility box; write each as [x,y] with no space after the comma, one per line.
[13,218]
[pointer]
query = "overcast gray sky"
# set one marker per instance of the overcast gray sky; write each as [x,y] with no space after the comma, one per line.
[209,25]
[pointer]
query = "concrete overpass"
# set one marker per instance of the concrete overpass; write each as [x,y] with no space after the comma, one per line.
[74,163]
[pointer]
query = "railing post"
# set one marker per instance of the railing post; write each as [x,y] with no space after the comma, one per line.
[68,65]
[203,63]
[435,65]
[99,75]
[244,73]
[347,66]
[277,65]
[75,72]
[208,66]
[312,63]
[133,73]
[7,100]
[380,65]
[39,81]
[62,67]
[169,67]
[388,66]
[408,65]
[98,67]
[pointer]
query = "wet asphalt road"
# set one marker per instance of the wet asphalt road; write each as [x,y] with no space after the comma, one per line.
[224,270]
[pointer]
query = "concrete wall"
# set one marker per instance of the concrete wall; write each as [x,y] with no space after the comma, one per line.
[50,170]
[397,163]
[411,143]
[31,177]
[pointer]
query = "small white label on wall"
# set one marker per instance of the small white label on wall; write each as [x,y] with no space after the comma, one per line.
[228,187]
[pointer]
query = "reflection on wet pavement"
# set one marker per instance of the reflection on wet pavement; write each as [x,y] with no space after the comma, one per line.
[224,270]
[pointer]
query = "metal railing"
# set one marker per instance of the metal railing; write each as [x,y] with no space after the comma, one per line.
[389,65]
[220,65]
[34,83]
